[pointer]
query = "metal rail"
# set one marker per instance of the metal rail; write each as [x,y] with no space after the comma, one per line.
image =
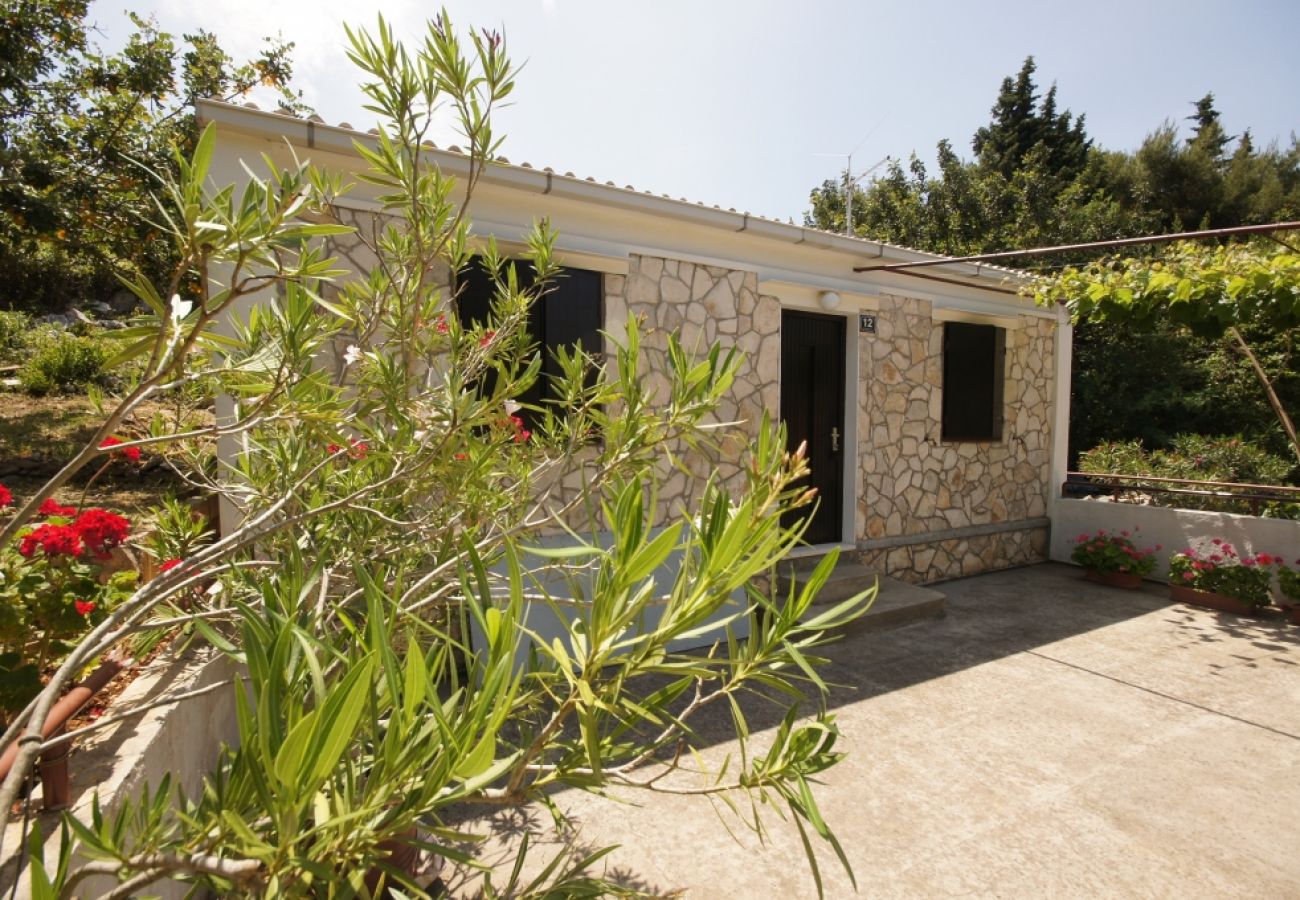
[1113,483]
[1090,245]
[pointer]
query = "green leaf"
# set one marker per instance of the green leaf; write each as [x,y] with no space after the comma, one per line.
[480,758]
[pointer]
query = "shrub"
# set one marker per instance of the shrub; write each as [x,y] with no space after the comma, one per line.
[1119,457]
[15,331]
[1203,458]
[56,584]
[1288,580]
[1193,457]
[66,363]
[1221,570]
[1111,553]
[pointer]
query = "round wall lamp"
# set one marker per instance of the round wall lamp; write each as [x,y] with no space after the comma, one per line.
[829,299]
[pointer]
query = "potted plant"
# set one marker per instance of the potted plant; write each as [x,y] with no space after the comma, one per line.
[1114,559]
[1288,580]
[1222,579]
[60,580]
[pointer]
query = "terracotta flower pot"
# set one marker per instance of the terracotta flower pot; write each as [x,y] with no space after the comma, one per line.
[1210,600]
[1292,608]
[1126,580]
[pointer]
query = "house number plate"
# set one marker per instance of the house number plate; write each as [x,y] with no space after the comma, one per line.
[866,323]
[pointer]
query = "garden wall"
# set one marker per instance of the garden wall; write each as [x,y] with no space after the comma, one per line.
[181,739]
[1174,529]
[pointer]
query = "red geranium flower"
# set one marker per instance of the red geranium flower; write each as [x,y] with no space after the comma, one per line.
[51,508]
[486,338]
[54,540]
[84,607]
[101,530]
[131,453]
[168,565]
[442,324]
[6,498]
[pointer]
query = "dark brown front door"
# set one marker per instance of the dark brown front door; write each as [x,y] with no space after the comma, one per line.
[812,407]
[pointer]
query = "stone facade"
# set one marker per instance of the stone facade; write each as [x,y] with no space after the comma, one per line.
[926,509]
[703,304]
[914,484]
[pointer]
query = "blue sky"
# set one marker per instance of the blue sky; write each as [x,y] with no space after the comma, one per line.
[737,103]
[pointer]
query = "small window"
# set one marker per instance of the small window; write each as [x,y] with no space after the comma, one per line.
[568,314]
[972,381]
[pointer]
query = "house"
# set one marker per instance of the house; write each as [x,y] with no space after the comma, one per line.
[933,402]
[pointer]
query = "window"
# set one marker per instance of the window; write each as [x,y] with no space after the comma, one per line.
[568,314]
[972,381]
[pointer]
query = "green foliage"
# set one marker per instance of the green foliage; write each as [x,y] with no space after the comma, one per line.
[1207,289]
[1113,553]
[65,362]
[178,530]
[79,130]
[1022,126]
[15,330]
[54,587]
[399,538]
[1288,581]
[1153,385]
[1037,180]
[1227,290]
[1192,457]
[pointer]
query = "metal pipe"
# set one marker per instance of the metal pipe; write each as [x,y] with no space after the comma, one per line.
[982,287]
[1091,245]
[1280,489]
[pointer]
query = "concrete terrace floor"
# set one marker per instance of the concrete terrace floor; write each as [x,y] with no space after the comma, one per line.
[1049,737]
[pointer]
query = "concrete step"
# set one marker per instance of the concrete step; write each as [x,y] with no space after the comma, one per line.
[847,579]
[897,602]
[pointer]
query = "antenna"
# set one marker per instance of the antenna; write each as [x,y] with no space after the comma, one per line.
[849,180]
[848,192]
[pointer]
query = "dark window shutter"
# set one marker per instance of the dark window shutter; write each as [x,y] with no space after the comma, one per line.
[973,381]
[569,313]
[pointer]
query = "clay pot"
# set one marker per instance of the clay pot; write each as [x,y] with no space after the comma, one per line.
[1210,600]
[1126,580]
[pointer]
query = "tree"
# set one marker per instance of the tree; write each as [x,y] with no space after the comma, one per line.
[392,503]
[1038,180]
[1021,124]
[80,129]
[1214,292]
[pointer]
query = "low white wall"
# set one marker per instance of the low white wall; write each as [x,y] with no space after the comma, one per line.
[546,622]
[1175,529]
[181,739]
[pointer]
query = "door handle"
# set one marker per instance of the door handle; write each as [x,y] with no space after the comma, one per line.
[835,439]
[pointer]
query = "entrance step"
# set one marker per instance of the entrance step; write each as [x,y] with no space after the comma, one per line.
[897,602]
